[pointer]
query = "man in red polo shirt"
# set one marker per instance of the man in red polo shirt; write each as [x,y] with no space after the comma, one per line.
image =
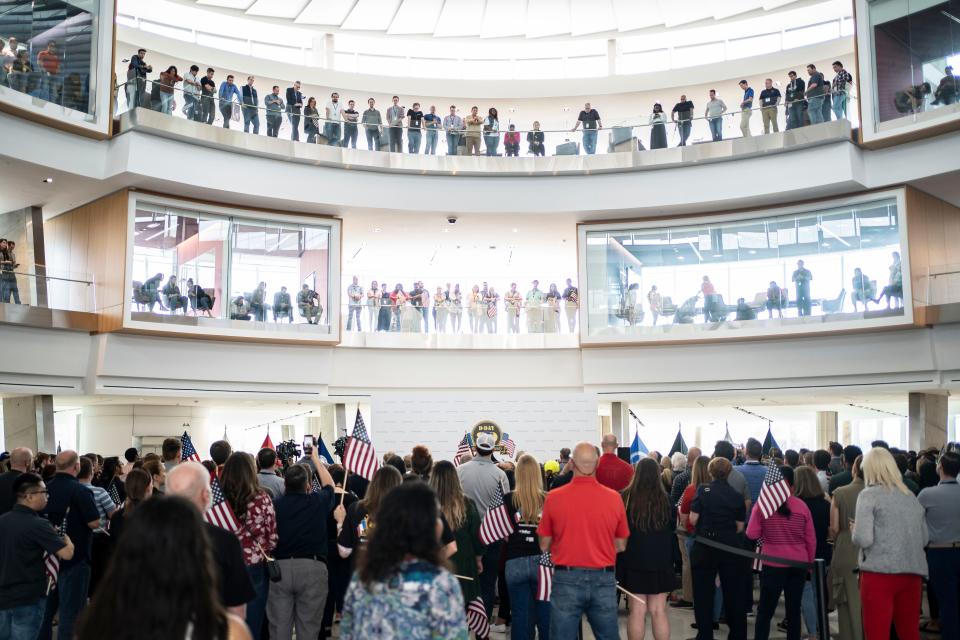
[584,526]
[49,61]
[612,472]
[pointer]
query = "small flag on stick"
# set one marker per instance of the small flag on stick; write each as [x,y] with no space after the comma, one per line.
[496,524]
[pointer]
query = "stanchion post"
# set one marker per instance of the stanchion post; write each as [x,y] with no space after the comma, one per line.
[820,592]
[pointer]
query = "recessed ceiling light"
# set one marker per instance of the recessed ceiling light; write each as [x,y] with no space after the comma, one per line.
[377,229]
[515,229]
[47,181]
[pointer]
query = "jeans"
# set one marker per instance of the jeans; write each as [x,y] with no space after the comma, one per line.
[795,115]
[295,126]
[226,110]
[351,312]
[590,141]
[815,109]
[431,149]
[492,142]
[207,110]
[23,622]
[395,136]
[944,567]
[803,300]
[332,132]
[273,125]
[511,149]
[826,107]
[251,117]
[349,136]
[773,582]
[166,103]
[69,597]
[808,606]
[453,143]
[425,312]
[257,607]
[529,614]
[413,140]
[582,591]
[840,105]
[684,127]
[191,107]
[488,577]
[716,128]
[373,139]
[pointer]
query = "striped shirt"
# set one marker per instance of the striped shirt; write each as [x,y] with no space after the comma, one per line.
[792,537]
[105,505]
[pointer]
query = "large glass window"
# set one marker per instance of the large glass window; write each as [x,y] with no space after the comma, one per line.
[746,275]
[215,270]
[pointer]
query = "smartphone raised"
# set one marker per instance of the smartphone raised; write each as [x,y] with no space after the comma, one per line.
[307,445]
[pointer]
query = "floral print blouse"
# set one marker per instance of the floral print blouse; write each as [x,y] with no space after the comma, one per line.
[260,525]
[419,601]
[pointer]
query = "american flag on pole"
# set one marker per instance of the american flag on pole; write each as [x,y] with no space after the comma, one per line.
[51,563]
[545,577]
[773,493]
[360,458]
[496,524]
[463,449]
[114,493]
[477,620]
[508,445]
[187,452]
[220,513]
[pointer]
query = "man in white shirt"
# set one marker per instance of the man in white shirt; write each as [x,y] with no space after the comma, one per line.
[331,128]
[714,114]
[453,125]
[191,89]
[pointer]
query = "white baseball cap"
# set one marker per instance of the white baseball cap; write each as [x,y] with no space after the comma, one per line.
[486,441]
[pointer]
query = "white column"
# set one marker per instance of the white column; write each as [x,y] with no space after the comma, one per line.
[620,422]
[28,422]
[927,420]
[612,49]
[826,428]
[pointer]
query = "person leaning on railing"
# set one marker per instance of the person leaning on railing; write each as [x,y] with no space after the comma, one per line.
[274,105]
[168,81]
[228,93]
[251,107]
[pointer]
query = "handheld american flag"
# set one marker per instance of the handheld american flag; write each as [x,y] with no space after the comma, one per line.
[315,486]
[51,563]
[774,491]
[544,577]
[114,493]
[496,524]
[360,458]
[187,452]
[509,445]
[463,449]
[220,513]
[477,620]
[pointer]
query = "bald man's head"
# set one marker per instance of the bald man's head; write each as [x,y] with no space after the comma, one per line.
[692,454]
[191,480]
[584,459]
[68,462]
[609,443]
[21,459]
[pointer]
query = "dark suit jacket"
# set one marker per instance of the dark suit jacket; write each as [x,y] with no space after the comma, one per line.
[294,101]
[249,95]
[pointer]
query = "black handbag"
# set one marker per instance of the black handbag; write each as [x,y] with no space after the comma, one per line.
[273,567]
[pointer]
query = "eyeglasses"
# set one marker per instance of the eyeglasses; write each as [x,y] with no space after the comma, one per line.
[36,493]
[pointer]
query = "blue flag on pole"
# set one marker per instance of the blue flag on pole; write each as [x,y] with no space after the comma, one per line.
[637,449]
[323,451]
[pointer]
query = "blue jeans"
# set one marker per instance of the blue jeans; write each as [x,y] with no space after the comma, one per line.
[716,128]
[251,117]
[191,107]
[795,113]
[590,141]
[808,606]
[491,142]
[332,132]
[815,109]
[413,140]
[684,127]
[528,613]
[453,142]
[431,149]
[69,597]
[23,622]
[826,107]
[256,608]
[582,591]
[166,103]
[840,106]
[351,311]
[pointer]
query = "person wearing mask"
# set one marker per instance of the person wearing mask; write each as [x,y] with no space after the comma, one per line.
[839,88]
[250,107]
[535,144]
[612,472]
[274,106]
[332,116]
[253,508]
[350,119]
[395,114]
[802,277]
[191,93]
[941,505]
[414,128]
[372,122]
[491,131]
[268,465]
[228,94]
[714,114]
[453,125]
[807,487]
[165,538]
[590,119]
[682,114]
[294,110]
[21,462]
[787,533]
[890,531]
[658,128]
[70,500]
[401,588]
[815,94]
[311,120]
[208,92]
[168,81]
[645,568]
[584,526]
[511,142]
[718,512]
[473,124]
[769,99]
[482,479]
[25,539]
[298,599]
[746,108]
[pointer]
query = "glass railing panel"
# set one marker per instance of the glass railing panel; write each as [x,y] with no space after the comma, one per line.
[51,289]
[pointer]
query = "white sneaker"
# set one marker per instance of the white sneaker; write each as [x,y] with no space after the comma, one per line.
[498,628]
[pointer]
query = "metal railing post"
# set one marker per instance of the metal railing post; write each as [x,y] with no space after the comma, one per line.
[820,591]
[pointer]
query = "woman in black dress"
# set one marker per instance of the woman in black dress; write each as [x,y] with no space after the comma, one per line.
[645,568]
[386,306]
[658,128]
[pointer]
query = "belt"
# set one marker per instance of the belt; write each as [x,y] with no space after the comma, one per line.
[303,557]
[563,567]
[944,545]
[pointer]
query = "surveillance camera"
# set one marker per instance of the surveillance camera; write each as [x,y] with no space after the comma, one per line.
[452,219]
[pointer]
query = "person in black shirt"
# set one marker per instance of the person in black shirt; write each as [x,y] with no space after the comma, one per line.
[745,311]
[357,520]
[414,126]
[591,124]
[21,461]
[24,538]
[682,114]
[71,500]
[350,118]
[794,100]
[769,99]
[208,90]
[338,569]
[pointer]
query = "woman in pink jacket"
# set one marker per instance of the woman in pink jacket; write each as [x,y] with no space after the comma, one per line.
[788,533]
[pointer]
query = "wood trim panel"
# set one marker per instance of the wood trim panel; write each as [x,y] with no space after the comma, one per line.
[933,233]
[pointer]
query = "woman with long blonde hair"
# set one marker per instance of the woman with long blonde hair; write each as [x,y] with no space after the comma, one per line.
[891,532]
[525,506]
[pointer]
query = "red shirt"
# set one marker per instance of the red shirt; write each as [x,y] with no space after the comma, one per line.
[686,500]
[49,61]
[583,518]
[614,473]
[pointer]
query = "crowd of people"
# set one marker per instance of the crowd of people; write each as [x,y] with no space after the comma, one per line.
[430,549]
[411,311]
[339,123]
[40,73]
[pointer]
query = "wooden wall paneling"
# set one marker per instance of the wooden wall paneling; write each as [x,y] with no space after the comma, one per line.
[933,230]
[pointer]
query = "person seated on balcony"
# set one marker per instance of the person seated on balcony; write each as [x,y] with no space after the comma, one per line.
[744,311]
[910,100]
[894,288]
[511,142]
[282,305]
[535,144]
[258,302]
[168,80]
[863,289]
[775,299]
[171,292]
[308,301]
[150,292]
[687,311]
[238,309]
[947,89]
[199,298]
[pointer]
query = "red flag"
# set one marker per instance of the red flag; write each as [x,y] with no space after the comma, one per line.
[267,443]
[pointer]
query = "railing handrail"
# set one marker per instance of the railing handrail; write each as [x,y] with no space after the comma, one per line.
[48,277]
